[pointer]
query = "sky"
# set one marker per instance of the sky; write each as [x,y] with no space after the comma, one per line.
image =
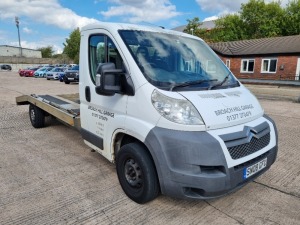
[45,23]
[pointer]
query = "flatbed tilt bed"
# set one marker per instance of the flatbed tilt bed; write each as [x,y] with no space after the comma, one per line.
[63,107]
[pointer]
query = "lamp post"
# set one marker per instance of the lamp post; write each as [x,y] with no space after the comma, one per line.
[192,30]
[17,24]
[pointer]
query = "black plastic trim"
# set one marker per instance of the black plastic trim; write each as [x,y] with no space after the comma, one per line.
[92,138]
[192,164]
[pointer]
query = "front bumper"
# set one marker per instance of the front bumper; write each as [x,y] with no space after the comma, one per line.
[194,164]
[72,77]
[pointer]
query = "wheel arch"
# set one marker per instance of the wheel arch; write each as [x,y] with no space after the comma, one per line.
[121,139]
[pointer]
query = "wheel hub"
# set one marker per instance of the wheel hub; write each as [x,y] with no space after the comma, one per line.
[133,173]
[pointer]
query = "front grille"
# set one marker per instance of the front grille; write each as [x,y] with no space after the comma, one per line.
[251,161]
[71,75]
[247,141]
[254,145]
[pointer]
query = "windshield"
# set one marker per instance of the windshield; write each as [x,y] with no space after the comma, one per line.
[75,68]
[57,69]
[169,61]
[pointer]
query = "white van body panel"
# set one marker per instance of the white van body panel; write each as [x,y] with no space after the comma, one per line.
[225,107]
[141,116]
[192,161]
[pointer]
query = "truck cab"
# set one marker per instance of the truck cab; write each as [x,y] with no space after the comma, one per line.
[165,109]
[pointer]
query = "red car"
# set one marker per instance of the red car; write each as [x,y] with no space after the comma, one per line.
[22,71]
[30,72]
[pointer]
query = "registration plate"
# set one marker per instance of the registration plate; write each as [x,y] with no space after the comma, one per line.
[251,170]
[70,78]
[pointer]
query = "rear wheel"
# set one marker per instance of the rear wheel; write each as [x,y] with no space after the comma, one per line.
[136,173]
[37,116]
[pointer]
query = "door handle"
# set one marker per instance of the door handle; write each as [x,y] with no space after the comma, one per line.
[87,94]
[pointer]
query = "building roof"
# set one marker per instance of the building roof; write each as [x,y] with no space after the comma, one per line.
[263,46]
[205,25]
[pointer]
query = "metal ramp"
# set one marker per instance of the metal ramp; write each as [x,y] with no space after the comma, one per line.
[64,107]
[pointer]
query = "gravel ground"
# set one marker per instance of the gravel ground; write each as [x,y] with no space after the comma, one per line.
[49,176]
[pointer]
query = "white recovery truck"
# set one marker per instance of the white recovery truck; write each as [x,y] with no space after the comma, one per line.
[165,109]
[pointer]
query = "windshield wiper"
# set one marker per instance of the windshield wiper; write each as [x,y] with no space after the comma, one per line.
[221,83]
[188,83]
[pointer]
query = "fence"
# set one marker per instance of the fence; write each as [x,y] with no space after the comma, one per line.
[289,77]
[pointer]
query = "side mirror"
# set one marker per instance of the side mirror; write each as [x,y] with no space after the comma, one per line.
[110,82]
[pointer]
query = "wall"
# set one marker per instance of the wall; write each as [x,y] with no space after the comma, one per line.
[20,62]
[6,50]
[288,71]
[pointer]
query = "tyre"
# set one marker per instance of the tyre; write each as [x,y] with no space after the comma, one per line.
[48,78]
[37,116]
[136,173]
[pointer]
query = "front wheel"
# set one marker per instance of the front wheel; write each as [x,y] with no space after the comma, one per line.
[136,173]
[37,116]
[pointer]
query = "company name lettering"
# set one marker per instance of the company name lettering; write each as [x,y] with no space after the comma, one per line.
[103,112]
[233,109]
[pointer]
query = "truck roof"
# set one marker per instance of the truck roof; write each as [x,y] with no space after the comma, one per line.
[114,27]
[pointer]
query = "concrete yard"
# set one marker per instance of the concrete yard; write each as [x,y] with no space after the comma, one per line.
[49,176]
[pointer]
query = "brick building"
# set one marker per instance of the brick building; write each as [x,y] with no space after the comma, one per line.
[275,58]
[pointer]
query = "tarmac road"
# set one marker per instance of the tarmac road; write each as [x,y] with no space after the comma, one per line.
[49,176]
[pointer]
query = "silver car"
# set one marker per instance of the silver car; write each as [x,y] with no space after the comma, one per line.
[54,73]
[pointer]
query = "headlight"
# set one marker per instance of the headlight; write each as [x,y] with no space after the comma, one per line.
[176,110]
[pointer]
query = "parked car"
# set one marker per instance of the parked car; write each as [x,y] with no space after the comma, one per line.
[61,77]
[30,72]
[72,75]
[71,65]
[22,71]
[5,67]
[42,71]
[54,73]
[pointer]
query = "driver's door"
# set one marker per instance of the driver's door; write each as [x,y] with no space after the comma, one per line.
[103,115]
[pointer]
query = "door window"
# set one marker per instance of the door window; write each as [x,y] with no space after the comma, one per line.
[102,50]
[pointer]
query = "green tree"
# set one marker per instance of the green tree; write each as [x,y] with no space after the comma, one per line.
[72,45]
[256,19]
[261,19]
[193,26]
[47,52]
[228,28]
[63,58]
[291,25]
